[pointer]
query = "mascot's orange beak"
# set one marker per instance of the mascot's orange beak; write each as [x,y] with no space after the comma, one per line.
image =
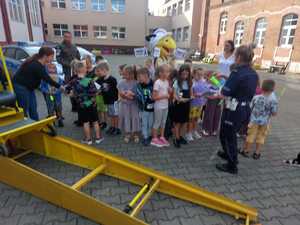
[167,45]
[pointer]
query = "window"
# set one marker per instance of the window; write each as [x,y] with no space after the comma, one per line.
[16,10]
[21,54]
[80,31]
[60,4]
[260,32]
[174,33]
[223,23]
[180,7]
[46,28]
[98,5]
[34,10]
[187,5]
[288,30]
[118,6]
[10,53]
[174,9]
[60,29]
[169,12]
[78,4]
[178,34]
[118,33]
[185,33]
[100,32]
[239,33]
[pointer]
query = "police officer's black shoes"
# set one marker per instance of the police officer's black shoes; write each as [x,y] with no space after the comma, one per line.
[176,143]
[222,155]
[183,141]
[227,169]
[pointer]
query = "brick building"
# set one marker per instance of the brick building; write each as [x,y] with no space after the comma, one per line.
[20,20]
[273,25]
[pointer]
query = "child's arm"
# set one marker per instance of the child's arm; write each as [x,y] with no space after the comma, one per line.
[157,97]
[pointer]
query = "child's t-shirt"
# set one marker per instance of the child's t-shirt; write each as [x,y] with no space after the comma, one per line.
[199,87]
[127,85]
[262,109]
[162,88]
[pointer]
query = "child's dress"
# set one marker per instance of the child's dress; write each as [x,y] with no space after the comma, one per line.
[129,119]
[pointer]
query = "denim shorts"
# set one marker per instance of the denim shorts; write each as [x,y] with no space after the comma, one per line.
[113,109]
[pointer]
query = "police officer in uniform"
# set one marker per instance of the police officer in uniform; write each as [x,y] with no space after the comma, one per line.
[66,52]
[238,92]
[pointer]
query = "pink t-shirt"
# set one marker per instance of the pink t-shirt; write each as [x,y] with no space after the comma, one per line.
[162,87]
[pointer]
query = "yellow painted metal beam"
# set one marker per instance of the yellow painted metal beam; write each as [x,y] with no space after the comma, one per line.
[147,196]
[44,187]
[72,152]
[89,177]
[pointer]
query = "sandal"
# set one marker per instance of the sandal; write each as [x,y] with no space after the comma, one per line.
[256,156]
[244,153]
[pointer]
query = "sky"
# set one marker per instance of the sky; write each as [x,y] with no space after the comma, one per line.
[153,4]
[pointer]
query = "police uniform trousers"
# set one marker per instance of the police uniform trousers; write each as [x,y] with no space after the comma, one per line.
[231,123]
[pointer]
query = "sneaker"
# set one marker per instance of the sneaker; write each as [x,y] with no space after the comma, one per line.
[205,133]
[196,135]
[215,133]
[99,141]
[183,141]
[103,125]
[189,137]
[176,143]
[127,139]
[156,142]
[87,142]
[164,141]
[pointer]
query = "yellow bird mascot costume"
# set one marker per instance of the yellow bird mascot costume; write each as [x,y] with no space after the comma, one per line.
[162,41]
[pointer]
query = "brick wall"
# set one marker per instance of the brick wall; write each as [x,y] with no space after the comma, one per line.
[249,11]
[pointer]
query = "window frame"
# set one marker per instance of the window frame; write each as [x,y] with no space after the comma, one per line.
[121,9]
[187,5]
[98,3]
[60,29]
[289,28]
[261,31]
[185,33]
[118,32]
[16,10]
[78,5]
[57,4]
[239,33]
[174,9]
[180,8]
[35,16]
[179,34]
[80,30]
[223,23]
[100,32]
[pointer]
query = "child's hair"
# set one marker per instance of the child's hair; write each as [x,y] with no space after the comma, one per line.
[103,65]
[231,43]
[131,69]
[72,65]
[161,69]
[196,70]
[184,67]
[268,85]
[188,61]
[245,53]
[143,71]
[148,61]
[121,67]
[232,67]
[78,65]
[99,58]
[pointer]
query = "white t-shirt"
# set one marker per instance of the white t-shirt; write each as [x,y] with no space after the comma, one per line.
[224,64]
[162,87]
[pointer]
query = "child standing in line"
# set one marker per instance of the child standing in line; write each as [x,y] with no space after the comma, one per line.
[149,65]
[212,114]
[144,94]
[53,96]
[199,88]
[84,91]
[109,91]
[182,96]
[129,120]
[264,106]
[161,95]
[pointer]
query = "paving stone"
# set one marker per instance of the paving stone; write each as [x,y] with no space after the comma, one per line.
[20,210]
[288,211]
[73,222]
[212,220]
[290,221]
[6,211]
[55,217]
[171,222]
[84,221]
[269,214]
[152,215]
[191,221]
[10,220]
[162,204]
[178,212]
[31,219]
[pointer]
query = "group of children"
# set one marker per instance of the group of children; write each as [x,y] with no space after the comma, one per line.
[153,104]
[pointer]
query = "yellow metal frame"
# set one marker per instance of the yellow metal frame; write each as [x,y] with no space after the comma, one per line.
[33,138]
[99,162]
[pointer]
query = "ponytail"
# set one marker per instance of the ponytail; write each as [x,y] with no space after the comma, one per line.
[245,53]
[44,51]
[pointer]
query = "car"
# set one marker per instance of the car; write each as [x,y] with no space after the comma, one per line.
[16,54]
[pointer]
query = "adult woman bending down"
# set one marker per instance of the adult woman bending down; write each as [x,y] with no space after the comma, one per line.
[28,78]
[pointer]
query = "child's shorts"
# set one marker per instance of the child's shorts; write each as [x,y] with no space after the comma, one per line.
[113,109]
[160,118]
[195,112]
[257,133]
[89,114]
[101,107]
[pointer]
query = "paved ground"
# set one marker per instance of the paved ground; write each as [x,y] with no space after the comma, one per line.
[266,184]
